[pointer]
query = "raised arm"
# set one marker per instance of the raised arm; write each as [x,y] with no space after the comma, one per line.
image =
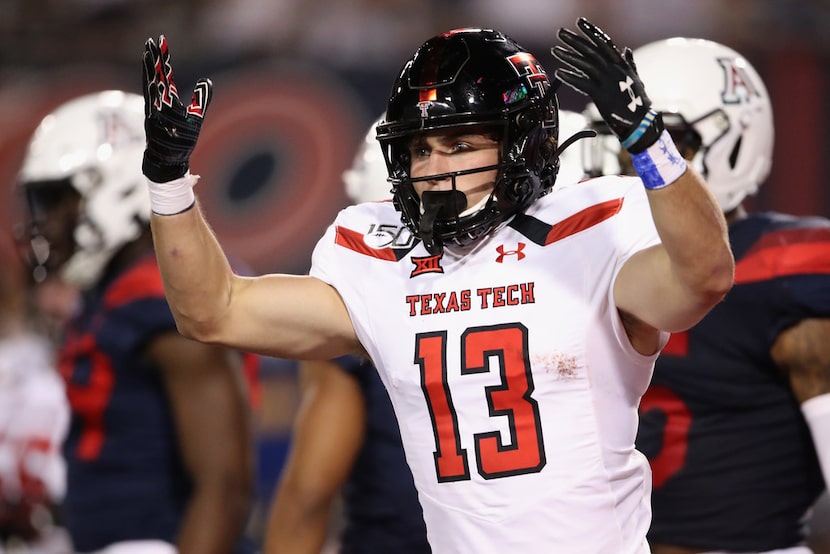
[673,285]
[278,315]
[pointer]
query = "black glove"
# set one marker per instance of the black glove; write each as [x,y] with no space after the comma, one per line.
[171,129]
[610,79]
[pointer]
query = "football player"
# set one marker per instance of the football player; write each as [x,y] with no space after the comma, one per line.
[159,450]
[516,334]
[736,422]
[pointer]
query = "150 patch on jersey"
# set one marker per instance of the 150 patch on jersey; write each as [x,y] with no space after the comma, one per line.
[382,235]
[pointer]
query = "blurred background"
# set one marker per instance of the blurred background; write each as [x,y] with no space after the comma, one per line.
[297,82]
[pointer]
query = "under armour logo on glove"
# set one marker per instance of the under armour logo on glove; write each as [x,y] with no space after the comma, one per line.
[635,100]
[610,79]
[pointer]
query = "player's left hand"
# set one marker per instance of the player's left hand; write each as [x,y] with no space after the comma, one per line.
[610,79]
[171,128]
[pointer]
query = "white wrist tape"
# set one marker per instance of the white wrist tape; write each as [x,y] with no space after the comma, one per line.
[173,197]
[816,412]
[660,164]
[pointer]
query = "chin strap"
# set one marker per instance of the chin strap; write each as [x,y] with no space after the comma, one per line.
[585,133]
[451,202]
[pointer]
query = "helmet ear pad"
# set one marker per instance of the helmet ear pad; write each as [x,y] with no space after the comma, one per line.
[532,162]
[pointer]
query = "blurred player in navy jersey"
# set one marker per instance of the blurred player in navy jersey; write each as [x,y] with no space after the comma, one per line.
[736,422]
[516,334]
[159,451]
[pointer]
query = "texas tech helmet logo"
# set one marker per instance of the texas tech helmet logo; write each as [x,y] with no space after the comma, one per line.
[526,65]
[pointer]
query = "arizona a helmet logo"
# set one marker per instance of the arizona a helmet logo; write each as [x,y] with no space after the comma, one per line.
[738,86]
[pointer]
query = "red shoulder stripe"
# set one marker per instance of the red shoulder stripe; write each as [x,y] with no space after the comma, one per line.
[790,252]
[583,220]
[143,280]
[354,241]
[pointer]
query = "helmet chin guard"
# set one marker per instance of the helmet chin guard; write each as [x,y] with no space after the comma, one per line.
[449,203]
[472,79]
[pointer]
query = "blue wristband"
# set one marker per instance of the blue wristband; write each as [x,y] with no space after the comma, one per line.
[660,164]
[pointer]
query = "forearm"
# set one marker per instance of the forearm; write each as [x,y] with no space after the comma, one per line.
[328,435]
[295,526]
[215,520]
[197,276]
[694,235]
[692,265]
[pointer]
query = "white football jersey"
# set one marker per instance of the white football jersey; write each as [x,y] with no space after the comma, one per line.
[34,418]
[513,381]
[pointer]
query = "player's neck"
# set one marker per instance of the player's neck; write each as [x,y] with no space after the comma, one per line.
[735,215]
[130,252]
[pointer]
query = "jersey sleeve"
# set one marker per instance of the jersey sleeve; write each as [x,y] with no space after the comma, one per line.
[805,265]
[342,268]
[790,262]
[635,228]
[634,231]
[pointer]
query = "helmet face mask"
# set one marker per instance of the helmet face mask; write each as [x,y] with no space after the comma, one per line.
[477,82]
[684,134]
[82,180]
[53,215]
[602,155]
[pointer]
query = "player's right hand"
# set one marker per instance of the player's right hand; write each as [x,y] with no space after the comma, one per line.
[171,128]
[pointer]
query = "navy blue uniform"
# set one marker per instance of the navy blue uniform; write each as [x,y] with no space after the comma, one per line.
[734,465]
[382,509]
[125,478]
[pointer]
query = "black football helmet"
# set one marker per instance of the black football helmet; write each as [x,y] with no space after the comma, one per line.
[471,78]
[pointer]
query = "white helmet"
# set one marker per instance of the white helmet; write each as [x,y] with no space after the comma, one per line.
[368,179]
[712,91]
[94,144]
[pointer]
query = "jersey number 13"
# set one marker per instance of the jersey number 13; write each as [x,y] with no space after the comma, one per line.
[511,398]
